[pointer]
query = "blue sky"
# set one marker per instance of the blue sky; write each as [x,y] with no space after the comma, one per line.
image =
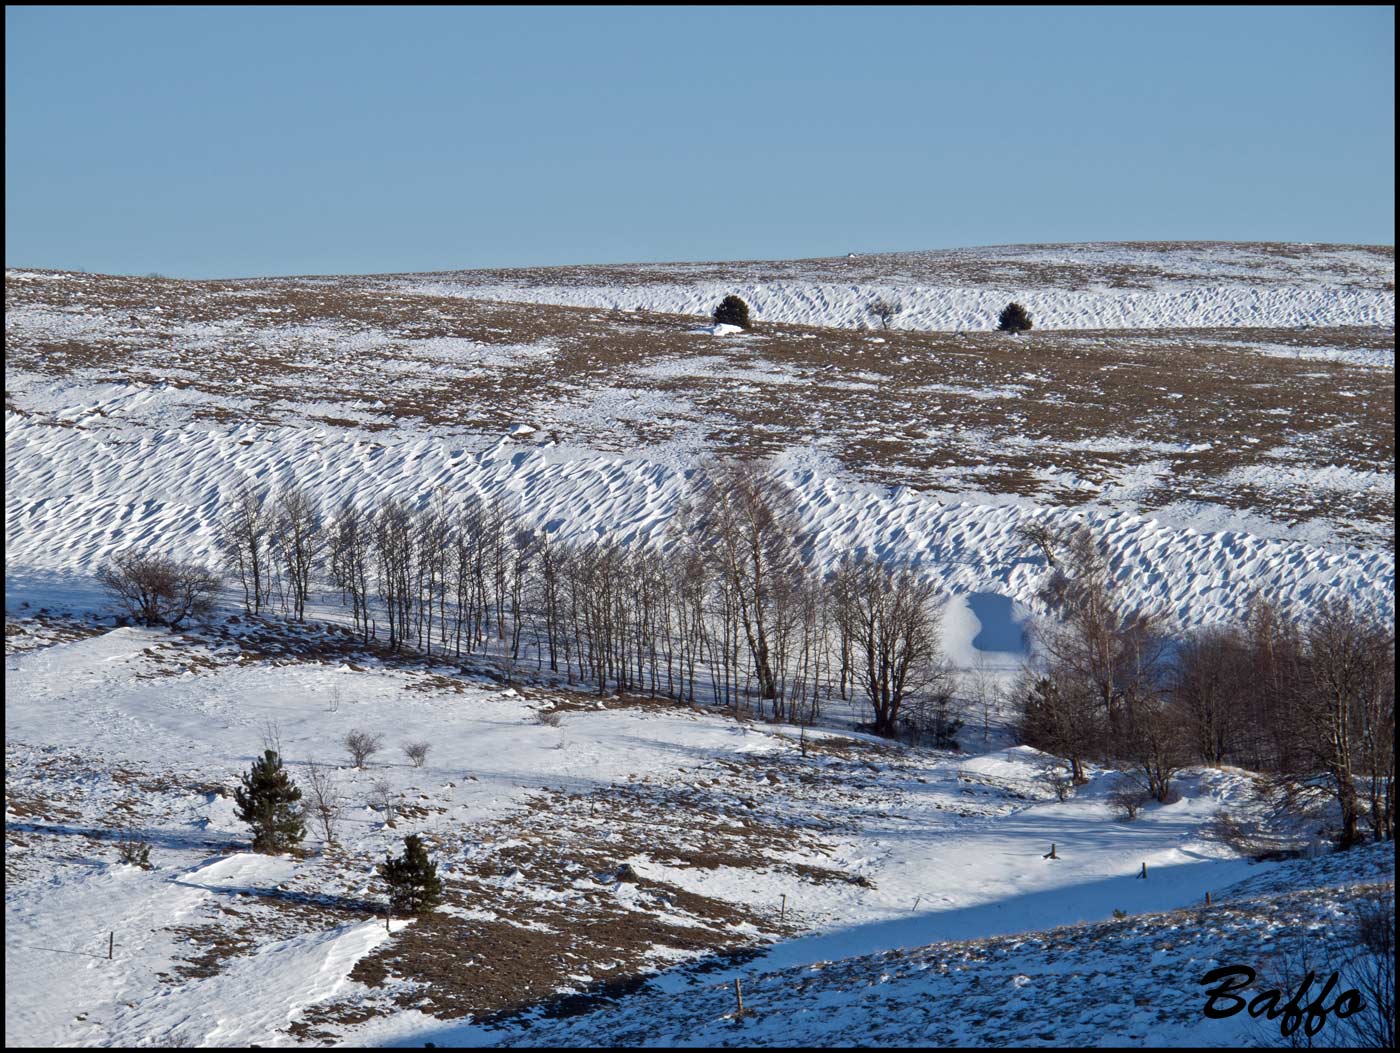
[220,142]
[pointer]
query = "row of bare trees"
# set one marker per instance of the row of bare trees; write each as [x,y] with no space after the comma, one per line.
[1297,695]
[730,607]
[273,547]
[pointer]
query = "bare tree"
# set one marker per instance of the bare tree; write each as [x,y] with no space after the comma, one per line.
[745,522]
[1061,717]
[1371,970]
[1273,730]
[243,536]
[1103,662]
[1348,659]
[433,526]
[523,548]
[983,692]
[324,799]
[895,631]
[1208,683]
[394,555]
[1059,777]
[361,745]
[551,598]
[383,799]
[1041,535]
[156,589]
[350,560]
[885,309]
[1151,743]
[1095,638]
[471,571]
[417,752]
[1127,798]
[1376,720]
[297,538]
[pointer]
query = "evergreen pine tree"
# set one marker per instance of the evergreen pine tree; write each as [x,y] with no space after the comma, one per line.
[1014,319]
[413,883]
[267,802]
[732,311]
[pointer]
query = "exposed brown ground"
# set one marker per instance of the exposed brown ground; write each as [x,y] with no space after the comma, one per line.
[1061,416]
[992,267]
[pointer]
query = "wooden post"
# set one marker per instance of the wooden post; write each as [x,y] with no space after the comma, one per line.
[916,902]
[387,913]
[1050,854]
[782,912]
[738,997]
[1144,871]
[1207,899]
[111,942]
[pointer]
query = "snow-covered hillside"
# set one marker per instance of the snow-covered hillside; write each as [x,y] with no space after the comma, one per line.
[76,496]
[1091,286]
[743,840]
[1226,429]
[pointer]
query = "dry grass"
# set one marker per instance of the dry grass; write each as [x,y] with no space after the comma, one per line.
[1060,416]
[994,267]
[569,846]
[44,630]
[213,945]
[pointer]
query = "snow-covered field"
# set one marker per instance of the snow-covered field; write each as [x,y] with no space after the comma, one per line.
[874,849]
[77,496]
[863,848]
[1104,286]
[1219,449]
[1278,431]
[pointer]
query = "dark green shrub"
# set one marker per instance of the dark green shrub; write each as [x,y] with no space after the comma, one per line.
[413,883]
[132,850]
[1014,319]
[733,311]
[267,802]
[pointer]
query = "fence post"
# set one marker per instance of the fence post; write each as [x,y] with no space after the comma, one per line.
[738,997]
[782,912]
[111,942]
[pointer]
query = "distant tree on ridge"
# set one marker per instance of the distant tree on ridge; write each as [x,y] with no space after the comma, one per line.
[733,311]
[1014,319]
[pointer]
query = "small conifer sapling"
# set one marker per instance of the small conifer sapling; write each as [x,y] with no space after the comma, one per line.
[267,802]
[414,887]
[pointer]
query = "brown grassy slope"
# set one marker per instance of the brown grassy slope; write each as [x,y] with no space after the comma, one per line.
[938,411]
[1083,266]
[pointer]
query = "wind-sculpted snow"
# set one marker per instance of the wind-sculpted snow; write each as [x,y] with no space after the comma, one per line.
[75,495]
[942,308]
[931,859]
[138,407]
[1083,286]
